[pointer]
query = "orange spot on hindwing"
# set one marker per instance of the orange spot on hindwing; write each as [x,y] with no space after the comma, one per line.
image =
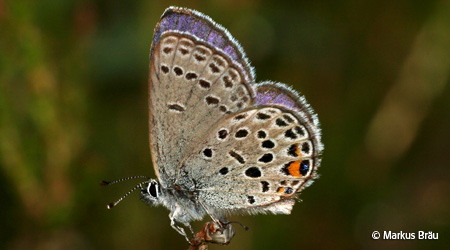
[297,151]
[294,168]
[285,191]
[294,150]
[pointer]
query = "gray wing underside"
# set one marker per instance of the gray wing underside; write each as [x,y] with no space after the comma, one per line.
[258,169]
[192,86]
[197,90]
[195,94]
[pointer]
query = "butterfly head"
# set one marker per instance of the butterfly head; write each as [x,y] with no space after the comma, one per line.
[151,192]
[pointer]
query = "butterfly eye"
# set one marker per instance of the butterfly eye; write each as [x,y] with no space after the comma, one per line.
[153,189]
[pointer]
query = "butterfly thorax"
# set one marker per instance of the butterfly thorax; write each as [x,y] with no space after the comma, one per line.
[182,203]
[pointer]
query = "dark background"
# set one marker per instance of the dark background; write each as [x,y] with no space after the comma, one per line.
[73,111]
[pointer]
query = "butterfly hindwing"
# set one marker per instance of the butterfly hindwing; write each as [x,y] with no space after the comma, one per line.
[254,159]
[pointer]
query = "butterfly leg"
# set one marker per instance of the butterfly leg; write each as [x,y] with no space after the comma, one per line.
[214,219]
[174,224]
[179,229]
[190,228]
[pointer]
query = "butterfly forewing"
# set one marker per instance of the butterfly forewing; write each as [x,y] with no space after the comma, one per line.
[192,87]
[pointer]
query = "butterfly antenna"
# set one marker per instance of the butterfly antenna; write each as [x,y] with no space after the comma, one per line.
[113,204]
[108,183]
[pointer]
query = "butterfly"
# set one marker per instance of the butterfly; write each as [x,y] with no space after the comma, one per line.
[220,143]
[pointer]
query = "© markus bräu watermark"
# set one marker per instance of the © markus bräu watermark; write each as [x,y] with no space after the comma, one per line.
[389,235]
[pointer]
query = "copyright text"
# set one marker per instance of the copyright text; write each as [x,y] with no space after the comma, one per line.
[389,235]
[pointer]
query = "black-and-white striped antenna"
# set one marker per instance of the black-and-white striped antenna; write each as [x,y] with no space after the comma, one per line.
[108,183]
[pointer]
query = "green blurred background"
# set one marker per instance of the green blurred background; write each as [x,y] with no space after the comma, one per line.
[73,111]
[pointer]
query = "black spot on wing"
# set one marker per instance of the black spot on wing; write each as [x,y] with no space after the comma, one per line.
[237,156]
[253,172]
